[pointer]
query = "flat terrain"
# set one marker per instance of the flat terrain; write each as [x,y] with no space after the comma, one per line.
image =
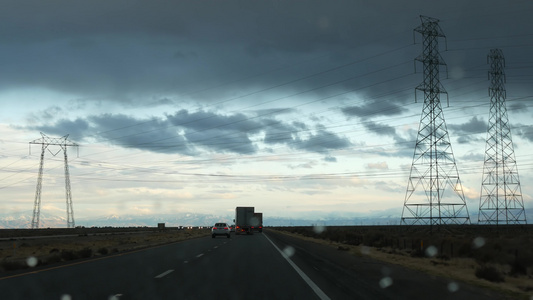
[271,265]
[495,257]
[456,253]
[20,247]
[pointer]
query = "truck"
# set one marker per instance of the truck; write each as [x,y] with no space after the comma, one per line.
[243,219]
[257,222]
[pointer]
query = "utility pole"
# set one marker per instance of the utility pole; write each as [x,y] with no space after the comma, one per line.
[433,171]
[45,143]
[501,196]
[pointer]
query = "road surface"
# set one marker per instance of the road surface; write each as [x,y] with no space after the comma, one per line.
[260,266]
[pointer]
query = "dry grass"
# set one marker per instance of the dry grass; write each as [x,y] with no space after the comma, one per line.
[26,252]
[461,269]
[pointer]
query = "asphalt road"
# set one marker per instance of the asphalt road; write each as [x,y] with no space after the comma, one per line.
[259,266]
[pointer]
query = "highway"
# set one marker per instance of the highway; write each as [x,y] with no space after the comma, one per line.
[260,266]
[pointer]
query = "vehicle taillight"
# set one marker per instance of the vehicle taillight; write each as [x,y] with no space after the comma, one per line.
[225,227]
[214,228]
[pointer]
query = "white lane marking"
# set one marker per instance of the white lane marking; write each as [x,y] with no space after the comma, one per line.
[200,255]
[164,274]
[304,276]
[215,247]
[185,261]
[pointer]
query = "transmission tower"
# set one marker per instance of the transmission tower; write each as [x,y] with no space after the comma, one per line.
[45,143]
[434,192]
[501,197]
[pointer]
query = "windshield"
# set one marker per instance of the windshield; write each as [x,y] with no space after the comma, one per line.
[149,148]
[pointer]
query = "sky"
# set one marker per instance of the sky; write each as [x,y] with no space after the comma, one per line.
[298,108]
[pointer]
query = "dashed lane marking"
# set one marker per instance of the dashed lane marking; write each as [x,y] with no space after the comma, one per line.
[164,274]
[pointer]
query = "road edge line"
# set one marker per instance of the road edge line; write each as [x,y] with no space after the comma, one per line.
[304,276]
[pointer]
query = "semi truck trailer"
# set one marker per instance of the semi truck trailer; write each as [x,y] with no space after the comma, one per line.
[243,220]
[257,222]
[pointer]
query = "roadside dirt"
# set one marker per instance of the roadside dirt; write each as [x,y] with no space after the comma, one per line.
[27,252]
[459,269]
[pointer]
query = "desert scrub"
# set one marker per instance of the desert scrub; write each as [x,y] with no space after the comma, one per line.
[85,252]
[489,273]
[9,265]
[103,251]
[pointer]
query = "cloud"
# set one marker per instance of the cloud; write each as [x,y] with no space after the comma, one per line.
[321,142]
[378,166]
[76,129]
[524,131]
[373,109]
[474,125]
[277,132]
[218,133]
[190,133]
[381,129]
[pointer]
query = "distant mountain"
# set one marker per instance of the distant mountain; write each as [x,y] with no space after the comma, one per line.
[24,219]
[387,217]
[170,220]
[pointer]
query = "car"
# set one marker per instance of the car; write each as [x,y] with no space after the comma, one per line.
[232,228]
[220,229]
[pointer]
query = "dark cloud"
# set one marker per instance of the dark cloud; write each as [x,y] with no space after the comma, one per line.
[524,131]
[517,106]
[211,50]
[356,58]
[468,139]
[76,130]
[474,125]
[322,141]
[384,130]
[277,132]
[189,133]
[374,109]
[151,135]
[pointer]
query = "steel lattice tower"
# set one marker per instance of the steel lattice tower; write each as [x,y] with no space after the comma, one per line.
[433,172]
[501,197]
[63,143]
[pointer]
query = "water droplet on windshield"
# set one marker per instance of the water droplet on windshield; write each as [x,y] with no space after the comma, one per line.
[318,229]
[431,251]
[31,261]
[478,242]
[385,282]
[289,251]
[453,287]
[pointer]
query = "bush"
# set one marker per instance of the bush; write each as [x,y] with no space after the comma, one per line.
[52,259]
[8,265]
[374,239]
[418,253]
[518,268]
[68,255]
[489,273]
[103,251]
[85,253]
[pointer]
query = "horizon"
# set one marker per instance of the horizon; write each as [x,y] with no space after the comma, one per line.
[302,111]
[8,221]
